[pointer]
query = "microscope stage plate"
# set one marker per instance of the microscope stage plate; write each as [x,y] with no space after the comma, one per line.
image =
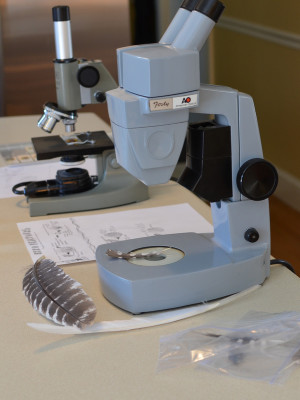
[47,147]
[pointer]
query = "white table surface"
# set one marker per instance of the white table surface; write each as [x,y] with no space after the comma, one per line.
[36,365]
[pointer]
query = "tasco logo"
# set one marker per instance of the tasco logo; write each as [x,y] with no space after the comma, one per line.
[186,100]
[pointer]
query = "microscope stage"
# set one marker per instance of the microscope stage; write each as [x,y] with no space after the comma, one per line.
[47,147]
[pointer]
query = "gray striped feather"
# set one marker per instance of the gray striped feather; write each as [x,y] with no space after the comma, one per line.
[57,296]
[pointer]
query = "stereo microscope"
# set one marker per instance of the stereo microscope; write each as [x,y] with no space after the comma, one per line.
[159,87]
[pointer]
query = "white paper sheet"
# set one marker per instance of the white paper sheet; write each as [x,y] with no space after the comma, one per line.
[75,239]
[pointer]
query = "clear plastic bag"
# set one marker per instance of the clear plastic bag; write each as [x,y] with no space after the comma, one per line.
[261,346]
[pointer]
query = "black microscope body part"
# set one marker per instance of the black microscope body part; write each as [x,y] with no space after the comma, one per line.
[208,171]
[208,161]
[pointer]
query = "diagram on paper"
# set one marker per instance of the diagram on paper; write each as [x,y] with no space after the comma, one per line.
[54,240]
[75,239]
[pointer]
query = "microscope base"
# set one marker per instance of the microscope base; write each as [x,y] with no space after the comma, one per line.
[117,188]
[205,272]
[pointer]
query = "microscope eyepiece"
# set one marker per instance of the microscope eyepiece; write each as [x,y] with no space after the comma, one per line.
[198,25]
[189,4]
[61,13]
[62,33]
[178,21]
[211,8]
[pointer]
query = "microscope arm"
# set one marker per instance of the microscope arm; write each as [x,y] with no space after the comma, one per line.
[235,110]
[242,219]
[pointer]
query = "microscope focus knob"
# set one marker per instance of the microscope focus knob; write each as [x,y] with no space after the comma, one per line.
[251,235]
[88,76]
[100,97]
[257,179]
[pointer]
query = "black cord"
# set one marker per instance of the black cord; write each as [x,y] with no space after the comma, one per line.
[18,185]
[284,263]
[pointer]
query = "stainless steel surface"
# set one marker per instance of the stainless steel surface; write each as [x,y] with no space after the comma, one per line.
[63,40]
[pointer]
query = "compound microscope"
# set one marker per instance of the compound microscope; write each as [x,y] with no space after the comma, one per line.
[149,112]
[78,82]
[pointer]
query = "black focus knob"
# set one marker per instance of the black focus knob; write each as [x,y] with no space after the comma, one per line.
[100,97]
[88,76]
[251,235]
[257,179]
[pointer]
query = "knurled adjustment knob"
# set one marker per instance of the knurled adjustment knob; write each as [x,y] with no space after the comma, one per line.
[73,180]
[251,235]
[88,76]
[257,179]
[100,97]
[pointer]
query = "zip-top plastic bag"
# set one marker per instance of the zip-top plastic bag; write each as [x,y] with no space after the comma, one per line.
[260,346]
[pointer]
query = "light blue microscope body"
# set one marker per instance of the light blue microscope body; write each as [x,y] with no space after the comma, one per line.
[159,86]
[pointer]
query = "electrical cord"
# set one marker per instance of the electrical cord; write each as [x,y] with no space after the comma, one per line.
[18,185]
[284,263]
[68,181]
